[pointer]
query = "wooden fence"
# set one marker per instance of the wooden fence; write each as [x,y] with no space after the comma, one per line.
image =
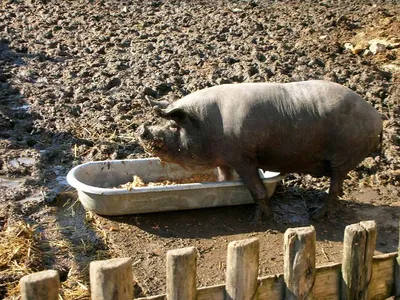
[360,275]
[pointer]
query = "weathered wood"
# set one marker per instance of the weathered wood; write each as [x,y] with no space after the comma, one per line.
[157,297]
[327,282]
[43,285]
[242,269]
[382,281]
[299,262]
[353,270]
[271,287]
[397,271]
[181,274]
[215,292]
[370,229]
[358,250]
[111,279]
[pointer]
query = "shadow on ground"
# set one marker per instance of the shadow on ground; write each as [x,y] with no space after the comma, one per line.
[288,211]
[33,161]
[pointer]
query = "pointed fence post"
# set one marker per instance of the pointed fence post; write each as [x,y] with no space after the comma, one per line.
[181,274]
[299,262]
[111,279]
[370,229]
[358,249]
[242,269]
[397,271]
[42,285]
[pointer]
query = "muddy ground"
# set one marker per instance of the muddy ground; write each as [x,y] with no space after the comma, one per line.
[74,76]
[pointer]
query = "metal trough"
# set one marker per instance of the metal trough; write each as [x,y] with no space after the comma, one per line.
[96,182]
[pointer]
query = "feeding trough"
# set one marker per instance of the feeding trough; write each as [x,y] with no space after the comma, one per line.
[97,185]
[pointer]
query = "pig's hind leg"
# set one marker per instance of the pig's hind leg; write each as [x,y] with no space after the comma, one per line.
[251,178]
[330,200]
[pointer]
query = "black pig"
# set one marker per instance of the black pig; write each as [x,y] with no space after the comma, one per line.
[315,127]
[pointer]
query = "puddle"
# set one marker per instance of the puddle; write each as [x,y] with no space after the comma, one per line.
[294,213]
[35,198]
[61,178]
[11,182]
[24,107]
[25,161]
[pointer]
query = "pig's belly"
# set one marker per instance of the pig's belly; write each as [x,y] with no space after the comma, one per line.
[302,163]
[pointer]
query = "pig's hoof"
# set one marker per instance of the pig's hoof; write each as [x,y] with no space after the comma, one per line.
[319,213]
[255,219]
[261,211]
[328,207]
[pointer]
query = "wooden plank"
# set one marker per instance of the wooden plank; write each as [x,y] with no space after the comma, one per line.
[181,274]
[42,285]
[327,282]
[397,271]
[271,287]
[326,285]
[370,230]
[215,292]
[299,262]
[158,297]
[382,281]
[242,269]
[353,271]
[111,279]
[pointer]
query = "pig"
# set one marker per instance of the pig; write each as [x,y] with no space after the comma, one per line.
[311,127]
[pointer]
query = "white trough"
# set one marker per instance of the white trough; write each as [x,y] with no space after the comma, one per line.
[96,182]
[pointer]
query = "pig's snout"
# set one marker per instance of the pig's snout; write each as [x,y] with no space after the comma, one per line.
[143,131]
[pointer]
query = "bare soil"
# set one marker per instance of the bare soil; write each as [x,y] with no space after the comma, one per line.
[74,76]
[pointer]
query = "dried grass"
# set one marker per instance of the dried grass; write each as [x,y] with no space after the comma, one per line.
[19,255]
[195,178]
[75,287]
[24,249]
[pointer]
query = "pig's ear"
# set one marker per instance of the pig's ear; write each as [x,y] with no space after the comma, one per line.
[176,114]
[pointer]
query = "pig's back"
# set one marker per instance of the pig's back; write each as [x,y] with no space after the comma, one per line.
[315,98]
[291,124]
[290,105]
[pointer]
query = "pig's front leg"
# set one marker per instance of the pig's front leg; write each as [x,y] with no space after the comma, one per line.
[251,178]
[225,173]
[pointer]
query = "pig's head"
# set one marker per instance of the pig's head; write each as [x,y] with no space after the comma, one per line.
[178,139]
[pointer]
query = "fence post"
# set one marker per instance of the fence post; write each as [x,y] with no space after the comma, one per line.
[181,274]
[242,269]
[43,285]
[397,272]
[370,229]
[111,279]
[358,248]
[299,262]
